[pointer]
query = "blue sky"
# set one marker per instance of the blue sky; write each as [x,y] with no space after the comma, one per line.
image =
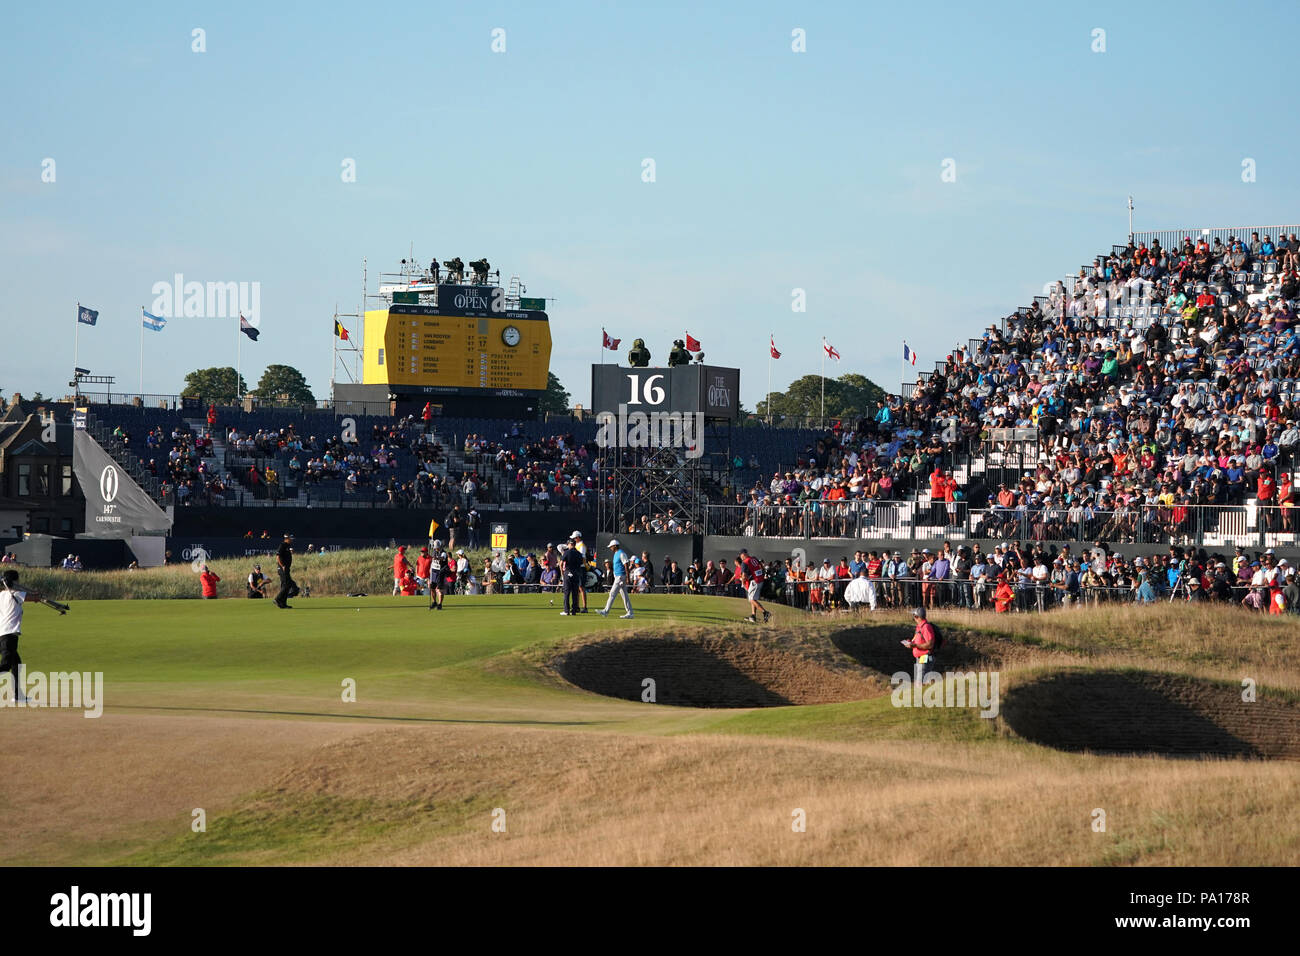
[775,170]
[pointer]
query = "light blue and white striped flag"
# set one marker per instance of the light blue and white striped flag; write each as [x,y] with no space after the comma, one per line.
[151,321]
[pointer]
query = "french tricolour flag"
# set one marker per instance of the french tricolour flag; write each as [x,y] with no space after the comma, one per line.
[908,354]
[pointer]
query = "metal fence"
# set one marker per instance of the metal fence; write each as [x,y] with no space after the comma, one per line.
[984,595]
[147,400]
[1173,238]
[1208,526]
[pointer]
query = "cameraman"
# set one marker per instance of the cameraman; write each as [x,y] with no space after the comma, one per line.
[257,582]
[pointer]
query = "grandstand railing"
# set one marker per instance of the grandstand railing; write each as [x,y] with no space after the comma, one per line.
[1173,238]
[1208,526]
[147,400]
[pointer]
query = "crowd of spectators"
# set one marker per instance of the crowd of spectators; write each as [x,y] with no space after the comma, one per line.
[551,472]
[400,465]
[1159,381]
[1121,405]
[1017,576]
[176,459]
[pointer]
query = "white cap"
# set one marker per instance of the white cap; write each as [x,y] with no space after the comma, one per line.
[613,543]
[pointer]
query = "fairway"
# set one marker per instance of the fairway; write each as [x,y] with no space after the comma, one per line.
[468,740]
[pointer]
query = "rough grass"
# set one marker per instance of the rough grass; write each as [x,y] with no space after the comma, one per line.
[235,707]
[327,573]
[620,799]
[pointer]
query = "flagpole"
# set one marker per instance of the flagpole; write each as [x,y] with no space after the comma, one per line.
[76,345]
[141,392]
[239,361]
[771,344]
[823,416]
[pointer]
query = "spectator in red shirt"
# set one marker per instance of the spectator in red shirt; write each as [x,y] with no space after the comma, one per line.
[423,567]
[1264,492]
[875,568]
[208,580]
[842,577]
[1006,497]
[409,587]
[400,567]
[950,498]
[937,484]
[922,643]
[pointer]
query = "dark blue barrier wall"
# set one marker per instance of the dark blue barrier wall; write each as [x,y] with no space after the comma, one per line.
[364,527]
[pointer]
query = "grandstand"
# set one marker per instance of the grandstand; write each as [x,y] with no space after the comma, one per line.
[1150,397]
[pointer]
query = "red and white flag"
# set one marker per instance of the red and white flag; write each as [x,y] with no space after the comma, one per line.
[692,345]
[772,346]
[606,342]
[830,350]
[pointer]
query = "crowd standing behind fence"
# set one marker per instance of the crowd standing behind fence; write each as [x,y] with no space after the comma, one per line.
[1012,576]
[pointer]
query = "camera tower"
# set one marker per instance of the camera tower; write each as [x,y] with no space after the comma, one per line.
[664,444]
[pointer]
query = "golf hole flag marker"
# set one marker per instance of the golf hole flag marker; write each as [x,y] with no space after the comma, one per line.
[500,540]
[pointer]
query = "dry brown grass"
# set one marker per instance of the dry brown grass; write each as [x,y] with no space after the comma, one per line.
[621,799]
[73,786]
[605,799]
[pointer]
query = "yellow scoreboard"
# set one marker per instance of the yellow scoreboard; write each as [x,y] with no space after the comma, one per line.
[423,346]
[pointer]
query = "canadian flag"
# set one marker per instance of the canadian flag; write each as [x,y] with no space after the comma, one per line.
[830,350]
[606,342]
[692,345]
[772,346]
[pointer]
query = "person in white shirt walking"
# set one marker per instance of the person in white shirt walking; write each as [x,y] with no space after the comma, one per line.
[619,584]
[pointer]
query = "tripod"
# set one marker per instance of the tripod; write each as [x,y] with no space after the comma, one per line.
[1180,587]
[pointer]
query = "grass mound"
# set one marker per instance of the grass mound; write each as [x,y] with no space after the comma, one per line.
[1144,712]
[710,671]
